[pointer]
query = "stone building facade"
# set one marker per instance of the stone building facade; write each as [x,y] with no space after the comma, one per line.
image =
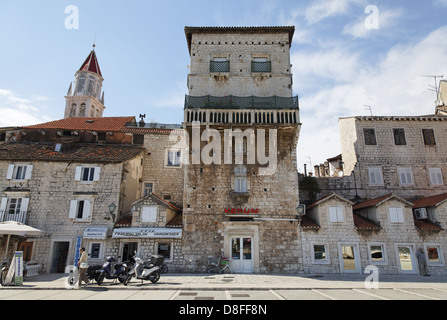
[67,194]
[342,237]
[240,110]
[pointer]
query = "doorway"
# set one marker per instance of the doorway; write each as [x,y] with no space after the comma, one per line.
[129,249]
[60,255]
[242,254]
[349,258]
[406,259]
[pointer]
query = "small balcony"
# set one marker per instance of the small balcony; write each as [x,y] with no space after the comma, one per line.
[242,110]
[13,215]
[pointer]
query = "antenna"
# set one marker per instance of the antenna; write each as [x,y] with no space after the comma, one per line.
[368,107]
[435,87]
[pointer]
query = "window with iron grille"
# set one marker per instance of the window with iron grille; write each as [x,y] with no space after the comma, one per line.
[261,65]
[429,137]
[219,65]
[399,137]
[370,137]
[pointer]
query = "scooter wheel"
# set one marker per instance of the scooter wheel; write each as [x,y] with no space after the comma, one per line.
[127,280]
[156,276]
[100,279]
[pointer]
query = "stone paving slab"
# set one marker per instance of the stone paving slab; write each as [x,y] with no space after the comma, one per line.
[246,282]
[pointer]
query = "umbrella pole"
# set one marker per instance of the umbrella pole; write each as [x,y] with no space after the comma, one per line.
[7,245]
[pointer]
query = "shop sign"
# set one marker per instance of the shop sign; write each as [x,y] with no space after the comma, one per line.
[18,257]
[152,233]
[241,211]
[95,233]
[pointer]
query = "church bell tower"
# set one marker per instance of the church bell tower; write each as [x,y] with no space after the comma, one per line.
[85,98]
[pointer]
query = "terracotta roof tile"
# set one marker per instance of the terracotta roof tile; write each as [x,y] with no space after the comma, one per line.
[176,222]
[88,153]
[377,201]
[362,223]
[308,223]
[82,123]
[426,226]
[432,201]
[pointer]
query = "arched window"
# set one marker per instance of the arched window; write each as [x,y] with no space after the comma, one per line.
[80,85]
[82,110]
[240,179]
[73,110]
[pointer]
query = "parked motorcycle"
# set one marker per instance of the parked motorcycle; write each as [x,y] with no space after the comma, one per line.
[146,270]
[121,271]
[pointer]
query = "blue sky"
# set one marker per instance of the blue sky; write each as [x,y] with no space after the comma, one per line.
[339,65]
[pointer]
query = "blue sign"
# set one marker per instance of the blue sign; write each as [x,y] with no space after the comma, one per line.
[78,247]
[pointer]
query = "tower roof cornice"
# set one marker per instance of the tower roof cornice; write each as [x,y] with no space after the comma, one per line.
[262,29]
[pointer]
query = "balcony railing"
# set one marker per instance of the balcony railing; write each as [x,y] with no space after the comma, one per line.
[7,215]
[261,66]
[235,102]
[219,66]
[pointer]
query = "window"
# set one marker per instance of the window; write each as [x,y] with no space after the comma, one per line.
[80,209]
[434,254]
[319,253]
[219,65]
[14,208]
[240,179]
[336,214]
[148,188]
[405,176]
[80,85]
[396,215]
[149,213]
[19,172]
[73,110]
[87,173]
[436,176]
[14,205]
[164,249]
[377,253]
[375,176]
[399,137]
[261,65]
[173,158]
[370,137]
[429,137]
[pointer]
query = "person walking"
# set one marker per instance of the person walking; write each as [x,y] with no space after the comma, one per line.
[422,262]
[82,265]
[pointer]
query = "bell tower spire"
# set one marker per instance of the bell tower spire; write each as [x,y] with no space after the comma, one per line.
[84,98]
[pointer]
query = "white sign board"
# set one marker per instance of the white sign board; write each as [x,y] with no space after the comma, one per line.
[152,233]
[95,233]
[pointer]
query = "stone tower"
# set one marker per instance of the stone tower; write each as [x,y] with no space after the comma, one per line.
[242,121]
[85,98]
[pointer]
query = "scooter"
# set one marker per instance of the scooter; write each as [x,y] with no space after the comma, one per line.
[146,270]
[121,271]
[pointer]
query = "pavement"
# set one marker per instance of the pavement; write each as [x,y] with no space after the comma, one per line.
[222,282]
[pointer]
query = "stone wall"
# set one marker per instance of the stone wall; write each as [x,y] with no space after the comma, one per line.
[52,187]
[240,50]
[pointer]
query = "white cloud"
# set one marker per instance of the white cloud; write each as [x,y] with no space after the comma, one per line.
[391,86]
[19,111]
[323,9]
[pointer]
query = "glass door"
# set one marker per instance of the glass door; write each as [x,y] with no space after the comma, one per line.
[406,261]
[241,254]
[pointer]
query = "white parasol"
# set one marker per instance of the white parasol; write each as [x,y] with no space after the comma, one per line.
[17,229]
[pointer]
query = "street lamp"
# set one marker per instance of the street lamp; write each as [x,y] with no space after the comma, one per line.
[112,208]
